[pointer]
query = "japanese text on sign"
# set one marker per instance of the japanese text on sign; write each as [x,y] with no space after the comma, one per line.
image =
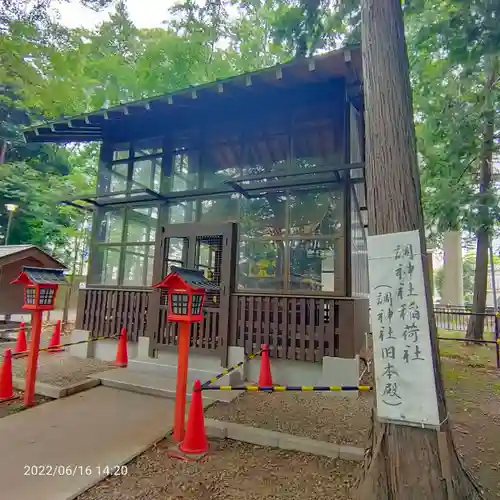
[404,374]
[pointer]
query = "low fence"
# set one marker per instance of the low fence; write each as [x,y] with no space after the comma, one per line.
[304,328]
[105,311]
[457,318]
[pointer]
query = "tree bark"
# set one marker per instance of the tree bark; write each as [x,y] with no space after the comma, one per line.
[475,328]
[402,462]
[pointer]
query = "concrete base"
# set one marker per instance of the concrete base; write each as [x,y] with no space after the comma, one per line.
[54,391]
[265,437]
[332,371]
[105,350]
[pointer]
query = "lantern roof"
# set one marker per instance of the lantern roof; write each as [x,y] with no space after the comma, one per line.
[192,278]
[40,276]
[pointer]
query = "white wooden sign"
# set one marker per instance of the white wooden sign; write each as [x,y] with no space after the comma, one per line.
[406,389]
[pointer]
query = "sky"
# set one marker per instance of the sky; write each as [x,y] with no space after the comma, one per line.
[144,13]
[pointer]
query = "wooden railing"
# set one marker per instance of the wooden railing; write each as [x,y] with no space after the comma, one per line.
[204,336]
[304,328]
[105,311]
[298,327]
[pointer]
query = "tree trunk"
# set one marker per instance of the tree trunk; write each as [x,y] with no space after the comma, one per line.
[475,328]
[403,462]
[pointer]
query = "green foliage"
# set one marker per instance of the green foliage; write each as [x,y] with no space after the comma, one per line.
[449,44]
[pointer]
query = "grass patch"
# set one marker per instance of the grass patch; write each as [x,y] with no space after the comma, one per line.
[474,355]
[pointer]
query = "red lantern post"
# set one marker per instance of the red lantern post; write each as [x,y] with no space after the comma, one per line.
[40,290]
[186,291]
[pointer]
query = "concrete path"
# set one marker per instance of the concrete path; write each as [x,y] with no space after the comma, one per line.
[59,449]
[160,385]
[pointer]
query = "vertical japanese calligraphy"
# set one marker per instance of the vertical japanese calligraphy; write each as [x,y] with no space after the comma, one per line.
[406,390]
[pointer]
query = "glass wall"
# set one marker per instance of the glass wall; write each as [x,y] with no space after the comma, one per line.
[123,251]
[132,168]
[290,241]
[359,251]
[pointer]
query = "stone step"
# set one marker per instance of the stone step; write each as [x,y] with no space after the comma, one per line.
[132,380]
[165,370]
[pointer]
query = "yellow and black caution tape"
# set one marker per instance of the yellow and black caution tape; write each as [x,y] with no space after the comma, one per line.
[283,388]
[25,353]
[231,369]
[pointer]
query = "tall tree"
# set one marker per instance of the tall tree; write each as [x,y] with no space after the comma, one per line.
[403,462]
[475,329]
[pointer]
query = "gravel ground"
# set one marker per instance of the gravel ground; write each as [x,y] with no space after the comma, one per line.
[17,405]
[234,471]
[335,419]
[61,369]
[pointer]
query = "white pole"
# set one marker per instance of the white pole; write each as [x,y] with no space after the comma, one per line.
[492,270]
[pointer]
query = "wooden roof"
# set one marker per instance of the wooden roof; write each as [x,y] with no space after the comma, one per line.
[40,276]
[15,253]
[340,64]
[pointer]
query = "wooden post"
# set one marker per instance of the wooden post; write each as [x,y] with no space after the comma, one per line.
[182,371]
[36,331]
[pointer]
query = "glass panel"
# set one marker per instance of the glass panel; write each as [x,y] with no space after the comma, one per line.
[175,253]
[30,296]
[121,151]
[261,264]
[110,227]
[221,209]
[46,296]
[180,303]
[359,251]
[196,301]
[265,216]
[315,212]
[267,154]
[221,163]
[138,267]
[147,173]
[182,212]
[185,175]
[317,146]
[149,146]
[119,173]
[312,265]
[355,136]
[107,262]
[141,225]
[209,256]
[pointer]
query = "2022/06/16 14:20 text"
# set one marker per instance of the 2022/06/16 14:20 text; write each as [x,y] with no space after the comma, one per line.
[75,470]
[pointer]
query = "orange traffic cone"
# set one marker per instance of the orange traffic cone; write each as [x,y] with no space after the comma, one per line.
[195,445]
[21,344]
[6,390]
[121,350]
[55,340]
[265,377]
